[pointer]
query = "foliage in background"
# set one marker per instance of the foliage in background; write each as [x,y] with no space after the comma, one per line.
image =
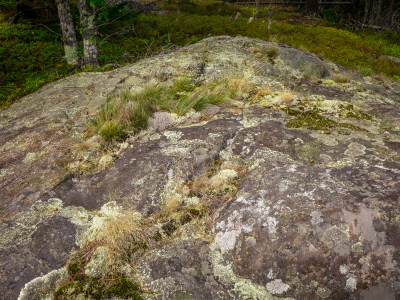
[32,56]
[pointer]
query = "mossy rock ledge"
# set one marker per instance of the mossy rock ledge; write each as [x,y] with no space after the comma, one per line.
[314,212]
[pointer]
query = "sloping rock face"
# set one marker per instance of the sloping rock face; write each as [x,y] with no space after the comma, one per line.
[315,215]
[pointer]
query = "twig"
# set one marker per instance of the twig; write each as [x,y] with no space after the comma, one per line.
[114,19]
[49,29]
[123,31]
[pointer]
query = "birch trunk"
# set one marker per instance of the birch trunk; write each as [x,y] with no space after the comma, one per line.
[269,20]
[68,31]
[89,33]
[257,9]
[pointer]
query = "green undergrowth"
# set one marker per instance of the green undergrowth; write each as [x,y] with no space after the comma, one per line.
[32,55]
[125,236]
[128,112]
[317,118]
[81,286]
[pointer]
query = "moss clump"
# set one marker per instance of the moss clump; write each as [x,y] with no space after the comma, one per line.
[314,120]
[123,287]
[95,288]
[74,268]
[214,168]
[352,113]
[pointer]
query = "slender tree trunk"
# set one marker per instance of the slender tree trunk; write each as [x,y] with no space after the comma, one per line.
[355,8]
[269,20]
[68,30]
[257,9]
[89,33]
[312,8]
[378,13]
[179,9]
[390,13]
[365,19]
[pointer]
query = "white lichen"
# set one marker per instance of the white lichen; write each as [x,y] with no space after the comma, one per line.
[316,217]
[43,286]
[351,284]
[105,161]
[277,287]
[173,136]
[29,157]
[222,177]
[226,241]
[97,264]
[343,270]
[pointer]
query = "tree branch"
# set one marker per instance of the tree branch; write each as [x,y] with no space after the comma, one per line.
[49,29]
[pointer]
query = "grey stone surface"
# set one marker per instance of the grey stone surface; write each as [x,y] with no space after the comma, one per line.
[316,215]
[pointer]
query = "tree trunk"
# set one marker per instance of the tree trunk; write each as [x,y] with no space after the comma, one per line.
[257,9]
[378,13]
[355,8]
[89,33]
[390,13]
[269,20]
[68,30]
[365,19]
[312,8]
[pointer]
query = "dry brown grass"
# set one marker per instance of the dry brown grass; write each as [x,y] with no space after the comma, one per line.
[287,96]
[340,78]
[115,228]
[172,204]
[313,79]
[379,77]
[238,86]
[272,51]
[302,47]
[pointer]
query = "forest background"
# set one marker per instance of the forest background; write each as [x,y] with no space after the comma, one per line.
[44,40]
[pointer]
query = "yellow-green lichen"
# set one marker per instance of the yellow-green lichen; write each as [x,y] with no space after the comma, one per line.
[25,224]
[245,288]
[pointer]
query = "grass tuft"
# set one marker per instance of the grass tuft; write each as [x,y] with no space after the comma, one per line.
[340,78]
[287,96]
[128,112]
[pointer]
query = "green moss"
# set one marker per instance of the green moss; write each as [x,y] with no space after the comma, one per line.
[95,288]
[74,268]
[314,120]
[350,111]
[64,290]
[309,150]
[214,168]
[123,287]
[132,249]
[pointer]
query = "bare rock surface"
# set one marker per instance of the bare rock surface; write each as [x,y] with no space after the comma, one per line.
[315,214]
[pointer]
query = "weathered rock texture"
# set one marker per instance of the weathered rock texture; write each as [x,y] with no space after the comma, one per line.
[315,217]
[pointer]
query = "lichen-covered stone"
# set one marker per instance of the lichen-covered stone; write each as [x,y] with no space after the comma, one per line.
[316,215]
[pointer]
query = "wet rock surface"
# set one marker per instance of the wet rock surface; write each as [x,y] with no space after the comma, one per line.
[316,215]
